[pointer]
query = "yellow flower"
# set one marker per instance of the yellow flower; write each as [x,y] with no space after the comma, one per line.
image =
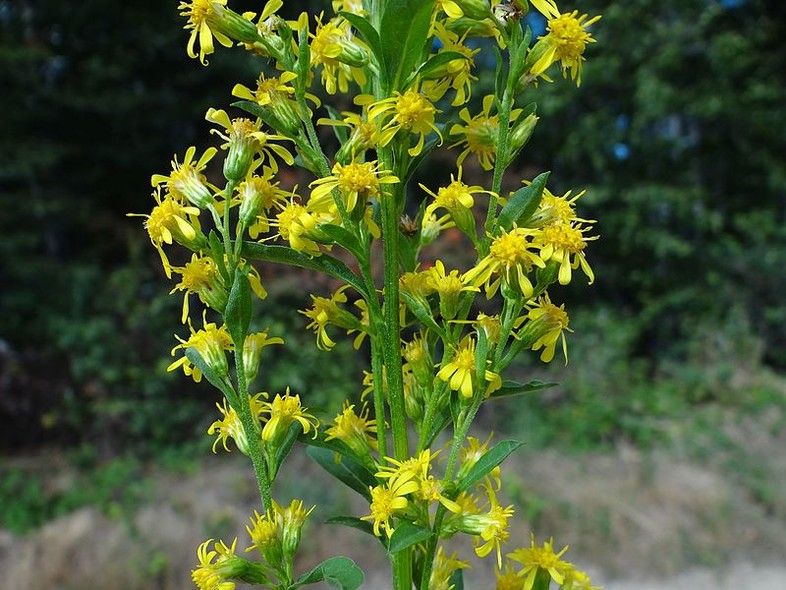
[351,6]
[565,43]
[459,373]
[578,580]
[170,220]
[201,15]
[449,286]
[388,499]
[479,134]
[354,430]
[213,575]
[292,518]
[326,311]
[509,579]
[276,94]
[186,181]
[554,210]
[252,139]
[200,275]
[444,568]
[339,54]
[457,200]
[535,559]
[410,111]
[363,135]
[547,325]
[258,196]
[471,454]
[212,343]
[511,258]
[490,528]
[266,536]
[356,182]
[456,73]
[252,351]
[299,227]
[565,244]
[283,411]
[230,426]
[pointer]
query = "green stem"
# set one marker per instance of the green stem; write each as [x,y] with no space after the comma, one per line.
[391,332]
[252,432]
[459,435]
[500,164]
[376,322]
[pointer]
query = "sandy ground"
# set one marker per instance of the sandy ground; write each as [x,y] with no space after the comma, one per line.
[635,522]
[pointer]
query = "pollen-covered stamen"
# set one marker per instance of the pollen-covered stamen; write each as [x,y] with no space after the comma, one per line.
[511,248]
[564,237]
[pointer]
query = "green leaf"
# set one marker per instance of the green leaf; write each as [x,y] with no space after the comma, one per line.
[286,445]
[257,110]
[414,163]
[284,255]
[347,471]
[341,133]
[406,535]
[439,424]
[404,30]
[408,248]
[303,62]
[456,581]
[220,383]
[423,314]
[368,32]
[511,388]
[523,203]
[339,447]
[487,462]
[238,311]
[217,252]
[353,522]
[432,64]
[341,236]
[339,572]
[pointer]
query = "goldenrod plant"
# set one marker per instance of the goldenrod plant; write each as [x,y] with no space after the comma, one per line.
[409,68]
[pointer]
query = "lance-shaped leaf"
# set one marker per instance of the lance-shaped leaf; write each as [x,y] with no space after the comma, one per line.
[220,383]
[283,255]
[406,535]
[434,62]
[238,311]
[295,429]
[523,203]
[355,523]
[404,27]
[347,471]
[367,32]
[488,461]
[343,237]
[423,313]
[511,388]
[338,572]
[266,115]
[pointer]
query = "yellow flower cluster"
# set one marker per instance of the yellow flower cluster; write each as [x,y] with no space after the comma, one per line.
[440,330]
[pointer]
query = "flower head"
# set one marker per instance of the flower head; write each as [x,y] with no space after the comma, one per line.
[229,426]
[283,411]
[340,55]
[216,566]
[171,220]
[202,19]
[546,326]
[478,134]
[387,500]
[536,558]
[565,43]
[212,343]
[409,111]
[356,182]
[565,243]
[186,181]
[200,275]
[354,430]
[510,259]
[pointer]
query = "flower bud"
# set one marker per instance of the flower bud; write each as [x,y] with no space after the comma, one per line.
[521,133]
[293,518]
[232,24]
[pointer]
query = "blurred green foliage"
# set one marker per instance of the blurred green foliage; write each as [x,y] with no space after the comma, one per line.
[676,133]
